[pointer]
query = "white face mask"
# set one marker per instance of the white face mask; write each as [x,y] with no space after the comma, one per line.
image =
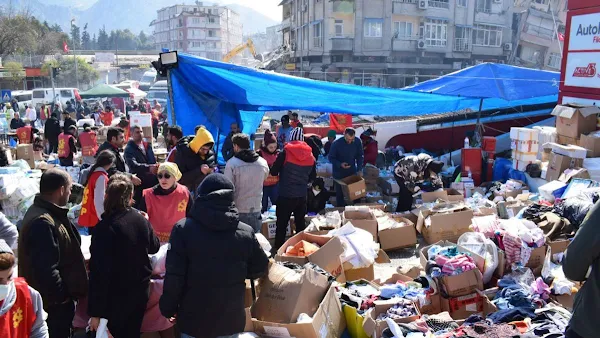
[4,290]
[316,192]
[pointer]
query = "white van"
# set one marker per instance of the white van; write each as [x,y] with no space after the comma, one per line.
[148,80]
[23,97]
[44,95]
[158,92]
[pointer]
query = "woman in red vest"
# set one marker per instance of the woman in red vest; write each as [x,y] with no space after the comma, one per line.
[166,203]
[269,152]
[92,205]
[89,144]
[21,309]
[107,117]
[25,134]
[67,147]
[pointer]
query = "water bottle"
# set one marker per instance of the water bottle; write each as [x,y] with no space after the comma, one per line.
[467,145]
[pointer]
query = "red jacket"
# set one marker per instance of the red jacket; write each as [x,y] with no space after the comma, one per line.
[371,151]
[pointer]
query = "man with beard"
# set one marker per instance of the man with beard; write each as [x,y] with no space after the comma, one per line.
[174,135]
[227,150]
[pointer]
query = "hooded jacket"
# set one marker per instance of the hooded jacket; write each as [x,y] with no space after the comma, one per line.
[227,150]
[247,170]
[52,129]
[316,203]
[211,254]
[190,162]
[295,167]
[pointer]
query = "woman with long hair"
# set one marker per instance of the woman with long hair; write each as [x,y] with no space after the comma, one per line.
[120,269]
[92,205]
[269,152]
[167,202]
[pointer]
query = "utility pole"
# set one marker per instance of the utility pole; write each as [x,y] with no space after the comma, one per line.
[74,55]
[53,73]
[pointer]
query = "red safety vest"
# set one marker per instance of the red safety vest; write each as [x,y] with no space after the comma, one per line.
[89,143]
[88,217]
[166,210]
[45,113]
[24,135]
[18,321]
[106,118]
[64,147]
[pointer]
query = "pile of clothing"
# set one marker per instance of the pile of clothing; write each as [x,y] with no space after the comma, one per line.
[518,238]
[448,261]
[403,308]
[301,249]
[359,295]
[418,291]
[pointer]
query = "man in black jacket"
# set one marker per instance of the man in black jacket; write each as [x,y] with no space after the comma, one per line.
[227,150]
[51,132]
[141,161]
[195,158]
[115,139]
[50,257]
[211,254]
[68,121]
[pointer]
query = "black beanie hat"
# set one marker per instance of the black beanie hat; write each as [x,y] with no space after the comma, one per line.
[214,182]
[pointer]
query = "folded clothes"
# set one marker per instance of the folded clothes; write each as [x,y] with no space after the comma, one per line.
[455,265]
[402,309]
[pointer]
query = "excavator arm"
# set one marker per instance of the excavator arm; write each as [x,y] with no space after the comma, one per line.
[238,49]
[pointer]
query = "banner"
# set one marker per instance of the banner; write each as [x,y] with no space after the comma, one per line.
[339,122]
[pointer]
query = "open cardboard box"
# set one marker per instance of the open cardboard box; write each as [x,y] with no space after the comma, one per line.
[367,273]
[446,225]
[431,309]
[327,257]
[327,322]
[448,195]
[397,238]
[464,306]
[573,120]
[374,327]
[269,229]
[362,220]
[355,320]
[353,187]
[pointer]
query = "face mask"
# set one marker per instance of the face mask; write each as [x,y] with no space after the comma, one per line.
[4,290]
[315,191]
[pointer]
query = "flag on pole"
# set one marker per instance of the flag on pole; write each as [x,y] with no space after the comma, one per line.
[339,122]
[65,47]
[561,36]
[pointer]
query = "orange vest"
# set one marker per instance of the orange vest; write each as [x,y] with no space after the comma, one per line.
[166,210]
[106,118]
[18,321]
[89,144]
[88,217]
[24,135]
[45,113]
[64,147]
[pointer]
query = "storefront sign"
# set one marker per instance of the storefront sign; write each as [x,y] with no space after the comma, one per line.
[585,33]
[582,70]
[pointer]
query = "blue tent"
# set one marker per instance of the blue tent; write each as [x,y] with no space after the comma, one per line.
[508,85]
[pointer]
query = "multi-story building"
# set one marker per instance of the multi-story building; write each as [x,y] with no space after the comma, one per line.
[206,31]
[274,37]
[540,24]
[394,43]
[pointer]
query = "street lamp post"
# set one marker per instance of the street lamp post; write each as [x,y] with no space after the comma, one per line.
[74,55]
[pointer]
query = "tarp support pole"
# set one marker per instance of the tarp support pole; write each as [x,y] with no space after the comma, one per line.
[171,101]
[478,128]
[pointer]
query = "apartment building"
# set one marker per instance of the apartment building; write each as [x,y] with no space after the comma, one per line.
[394,43]
[539,27]
[206,31]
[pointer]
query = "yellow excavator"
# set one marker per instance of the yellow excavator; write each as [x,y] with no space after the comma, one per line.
[237,50]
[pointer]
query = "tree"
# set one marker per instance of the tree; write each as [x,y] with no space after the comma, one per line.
[16,73]
[94,43]
[86,73]
[56,28]
[85,39]
[75,37]
[103,39]
[144,43]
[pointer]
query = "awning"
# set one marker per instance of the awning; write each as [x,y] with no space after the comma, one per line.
[316,22]
[436,18]
[463,26]
[374,19]
[490,24]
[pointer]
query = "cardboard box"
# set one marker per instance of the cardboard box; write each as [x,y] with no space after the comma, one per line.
[573,120]
[248,294]
[536,260]
[286,293]
[374,327]
[565,140]
[569,174]
[424,257]
[559,246]
[269,228]
[570,150]
[464,306]
[448,195]
[431,309]
[463,284]
[354,319]
[371,172]
[327,257]
[25,152]
[148,135]
[444,225]
[558,164]
[592,144]
[362,220]
[565,301]
[376,206]
[397,238]
[367,273]
[354,187]
[327,322]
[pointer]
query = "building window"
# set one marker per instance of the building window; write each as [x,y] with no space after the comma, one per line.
[212,20]
[317,35]
[435,33]
[339,28]
[489,36]
[212,33]
[403,29]
[462,39]
[373,28]
[530,54]
[196,21]
[439,3]
[462,3]
[554,60]
[484,6]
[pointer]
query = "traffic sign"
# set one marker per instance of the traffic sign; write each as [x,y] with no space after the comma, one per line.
[6,95]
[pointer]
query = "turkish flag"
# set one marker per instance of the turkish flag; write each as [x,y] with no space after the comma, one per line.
[65,47]
[561,37]
[339,122]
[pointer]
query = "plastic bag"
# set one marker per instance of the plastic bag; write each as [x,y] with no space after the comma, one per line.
[477,243]
[159,259]
[264,244]
[576,208]
[359,248]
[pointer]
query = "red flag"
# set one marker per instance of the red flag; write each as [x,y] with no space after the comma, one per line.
[65,47]
[561,37]
[339,122]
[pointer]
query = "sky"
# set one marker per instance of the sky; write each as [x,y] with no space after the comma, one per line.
[269,8]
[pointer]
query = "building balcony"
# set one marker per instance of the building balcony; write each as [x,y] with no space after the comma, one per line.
[405,44]
[342,44]
[343,6]
[541,32]
[439,4]
[463,45]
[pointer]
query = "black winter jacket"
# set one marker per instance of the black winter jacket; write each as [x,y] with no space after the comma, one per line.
[296,167]
[139,163]
[189,164]
[211,255]
[120,269]
[119,166]
[227,150]
[69,122]
[52,129]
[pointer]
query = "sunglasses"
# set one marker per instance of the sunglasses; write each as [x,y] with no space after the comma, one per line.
[165,176]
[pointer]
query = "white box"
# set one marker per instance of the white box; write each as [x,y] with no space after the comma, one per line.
[572,151]
[142,120]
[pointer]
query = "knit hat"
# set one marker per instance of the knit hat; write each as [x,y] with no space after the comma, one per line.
[269,138]
[297,134]
[214,182]
[171,168]
[331,133]
[5,248]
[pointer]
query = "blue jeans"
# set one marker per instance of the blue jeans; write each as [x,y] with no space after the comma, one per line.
[253,219]
[269,192]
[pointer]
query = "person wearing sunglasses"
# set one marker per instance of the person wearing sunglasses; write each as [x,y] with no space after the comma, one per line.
[167,202]
[195,158]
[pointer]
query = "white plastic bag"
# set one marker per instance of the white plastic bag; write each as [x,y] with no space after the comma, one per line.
[359,248]
[264,244]
[477,243]
[159,259]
